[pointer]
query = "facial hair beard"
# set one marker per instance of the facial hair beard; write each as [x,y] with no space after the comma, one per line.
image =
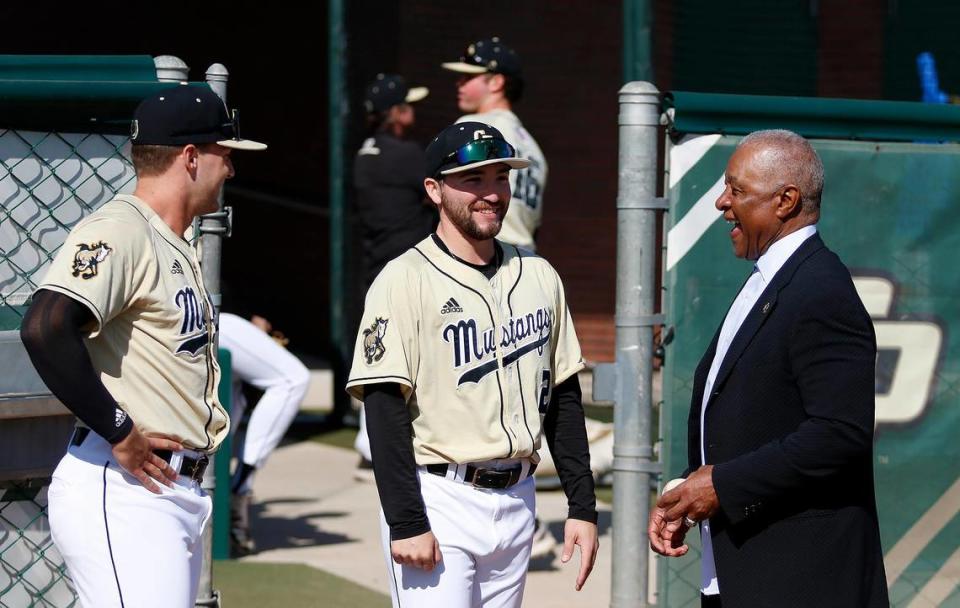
[462,218]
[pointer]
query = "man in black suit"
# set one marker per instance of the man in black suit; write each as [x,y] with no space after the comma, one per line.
[780,476]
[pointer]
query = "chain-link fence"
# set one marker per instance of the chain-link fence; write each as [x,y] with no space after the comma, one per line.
[48,183]
[31,571]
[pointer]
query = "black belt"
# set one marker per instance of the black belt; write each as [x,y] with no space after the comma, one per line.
[494,479]
[191,468]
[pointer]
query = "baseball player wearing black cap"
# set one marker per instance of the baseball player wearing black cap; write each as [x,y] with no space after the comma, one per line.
[467,357]
[122,331]
[490,83]
[391,203]
[388,175]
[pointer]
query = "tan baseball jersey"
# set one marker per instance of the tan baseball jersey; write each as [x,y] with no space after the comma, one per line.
[154,337]
[526,185]
[477,359]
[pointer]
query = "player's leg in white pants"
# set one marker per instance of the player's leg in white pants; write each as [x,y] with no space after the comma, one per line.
[258,360]
[118,539]
[484,538]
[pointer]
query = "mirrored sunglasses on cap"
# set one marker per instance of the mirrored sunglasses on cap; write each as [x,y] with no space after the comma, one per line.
[484,152]
[236,142]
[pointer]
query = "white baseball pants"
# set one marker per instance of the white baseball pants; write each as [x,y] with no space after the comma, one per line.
[485,538]
[258,360]
[124,546]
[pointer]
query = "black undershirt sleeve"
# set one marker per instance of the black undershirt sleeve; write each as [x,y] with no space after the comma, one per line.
[52,332]
[394,466]
[566,436]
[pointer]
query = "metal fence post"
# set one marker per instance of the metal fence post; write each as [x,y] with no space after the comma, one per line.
[212,228]
[633,465]
[171,69]
[338,112]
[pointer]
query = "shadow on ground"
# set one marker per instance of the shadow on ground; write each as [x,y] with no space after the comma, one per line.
[282,532]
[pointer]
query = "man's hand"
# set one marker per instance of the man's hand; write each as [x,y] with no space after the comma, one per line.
[695,498]
[666,537]
[135,454]
[422,551]
[583,533]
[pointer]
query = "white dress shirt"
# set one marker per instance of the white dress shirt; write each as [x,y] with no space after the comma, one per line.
[763,272]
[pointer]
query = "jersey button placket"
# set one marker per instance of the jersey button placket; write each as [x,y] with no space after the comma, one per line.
[498,349]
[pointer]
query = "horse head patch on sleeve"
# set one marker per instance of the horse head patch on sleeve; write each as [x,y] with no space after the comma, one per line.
[88,258]
[373,348]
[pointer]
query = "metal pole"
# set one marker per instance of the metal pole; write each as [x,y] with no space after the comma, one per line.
[171,69]
[637,207]
[338,242]
[637,54]
[213,228]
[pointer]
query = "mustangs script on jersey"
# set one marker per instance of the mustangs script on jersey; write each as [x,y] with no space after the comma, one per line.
[519,335]
[88,257]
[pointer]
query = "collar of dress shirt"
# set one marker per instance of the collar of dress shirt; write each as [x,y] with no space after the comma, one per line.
[778,253]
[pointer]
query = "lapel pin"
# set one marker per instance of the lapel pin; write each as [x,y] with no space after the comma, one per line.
[766,308]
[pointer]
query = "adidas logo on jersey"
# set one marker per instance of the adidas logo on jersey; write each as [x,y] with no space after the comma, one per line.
[176,268]
[451,306]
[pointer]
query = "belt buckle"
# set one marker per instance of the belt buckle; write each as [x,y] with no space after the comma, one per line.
[491,479]
[199,468]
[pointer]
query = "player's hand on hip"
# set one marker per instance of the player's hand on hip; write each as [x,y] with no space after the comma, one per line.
[584,534]
[135,453]
[422,551]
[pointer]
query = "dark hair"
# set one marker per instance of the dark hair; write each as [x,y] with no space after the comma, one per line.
[153,160]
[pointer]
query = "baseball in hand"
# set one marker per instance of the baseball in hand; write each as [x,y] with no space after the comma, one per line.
[673,483]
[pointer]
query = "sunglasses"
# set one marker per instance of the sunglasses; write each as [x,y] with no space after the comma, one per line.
[234,125]
[481,150]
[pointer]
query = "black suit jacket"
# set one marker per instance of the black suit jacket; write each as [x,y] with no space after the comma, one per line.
[789,430]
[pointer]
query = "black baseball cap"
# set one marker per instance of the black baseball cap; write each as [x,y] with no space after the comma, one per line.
[467,145]
[486,55]
[187,114]
[388,90]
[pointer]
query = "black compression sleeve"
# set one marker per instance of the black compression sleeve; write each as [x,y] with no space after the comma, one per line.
[567,437]
[394,467]
[52,332]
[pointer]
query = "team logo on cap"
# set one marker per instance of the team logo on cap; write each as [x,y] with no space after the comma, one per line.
[134,128]
[373,348]
[87,259]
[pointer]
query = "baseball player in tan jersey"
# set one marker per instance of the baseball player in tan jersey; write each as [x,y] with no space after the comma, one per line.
[466,358]
[122,331]
[490,83]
